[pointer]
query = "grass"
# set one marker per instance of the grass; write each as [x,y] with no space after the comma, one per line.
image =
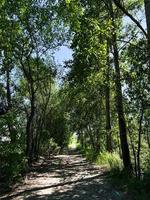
[112,160]
[136,189]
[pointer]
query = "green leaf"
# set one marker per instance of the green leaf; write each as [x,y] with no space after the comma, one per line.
[68,1]
[2,3]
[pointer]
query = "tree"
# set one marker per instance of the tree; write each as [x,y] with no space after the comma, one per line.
[119,100]
[147,13]
[93,52]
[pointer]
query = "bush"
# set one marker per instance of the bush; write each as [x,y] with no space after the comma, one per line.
[12,163]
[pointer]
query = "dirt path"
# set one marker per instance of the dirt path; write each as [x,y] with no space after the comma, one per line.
[65,177]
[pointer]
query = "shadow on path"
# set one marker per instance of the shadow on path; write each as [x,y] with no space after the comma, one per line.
[65,177]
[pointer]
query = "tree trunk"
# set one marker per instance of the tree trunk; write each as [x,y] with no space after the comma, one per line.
[139,143]
[8,87]
[147,137]
[108,125]
[92,142]
[147,14]
[29,128]
[107,104]
[6,108]
[11,128]
[134,153]
[37,138]
[119,99]
[81,139]
[121,118]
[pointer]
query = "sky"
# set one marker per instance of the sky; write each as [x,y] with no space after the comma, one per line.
[63,54]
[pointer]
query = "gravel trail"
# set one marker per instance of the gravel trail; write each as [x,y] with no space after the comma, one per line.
[65,177]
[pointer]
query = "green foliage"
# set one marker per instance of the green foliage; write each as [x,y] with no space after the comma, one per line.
[12,145]
[13,162]
[50,147]
[28,30]
[136,189]
[145,163]
[89,154]
[112,160]
[40,115]
[73,142]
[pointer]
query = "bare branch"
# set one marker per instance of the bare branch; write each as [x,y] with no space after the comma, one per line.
[122,8]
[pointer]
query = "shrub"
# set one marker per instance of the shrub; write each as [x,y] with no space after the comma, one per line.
[12,162]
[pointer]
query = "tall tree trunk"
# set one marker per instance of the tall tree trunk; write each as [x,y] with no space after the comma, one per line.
[108,124]
[37,138]
[92,142]
[119,99]
[28,74]
[147,137]
[147,14]
[119,105]
[81,138]
[139,143]
[8,87]
[11,128]
[29,127]
[6,108]
[107,104]
[40,123]
[134,153]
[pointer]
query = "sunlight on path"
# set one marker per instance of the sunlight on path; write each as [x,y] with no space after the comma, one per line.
[65,177]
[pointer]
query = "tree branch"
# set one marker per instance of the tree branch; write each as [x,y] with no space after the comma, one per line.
[118,4]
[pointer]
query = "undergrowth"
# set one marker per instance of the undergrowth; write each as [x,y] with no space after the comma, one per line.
[135,188]
[111,160]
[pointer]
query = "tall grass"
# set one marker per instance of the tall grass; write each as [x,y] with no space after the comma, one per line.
[111,160]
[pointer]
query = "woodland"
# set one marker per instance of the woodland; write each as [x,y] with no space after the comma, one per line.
[100,101]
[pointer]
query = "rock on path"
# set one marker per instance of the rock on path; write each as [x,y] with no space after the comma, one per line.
[66,178]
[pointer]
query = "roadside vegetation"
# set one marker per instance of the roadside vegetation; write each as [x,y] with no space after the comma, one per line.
[99,104]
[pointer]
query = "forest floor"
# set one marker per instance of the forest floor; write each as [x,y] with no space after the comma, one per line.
[65,177]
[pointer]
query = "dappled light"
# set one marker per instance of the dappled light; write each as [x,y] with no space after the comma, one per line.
[58,178]
[75,99]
